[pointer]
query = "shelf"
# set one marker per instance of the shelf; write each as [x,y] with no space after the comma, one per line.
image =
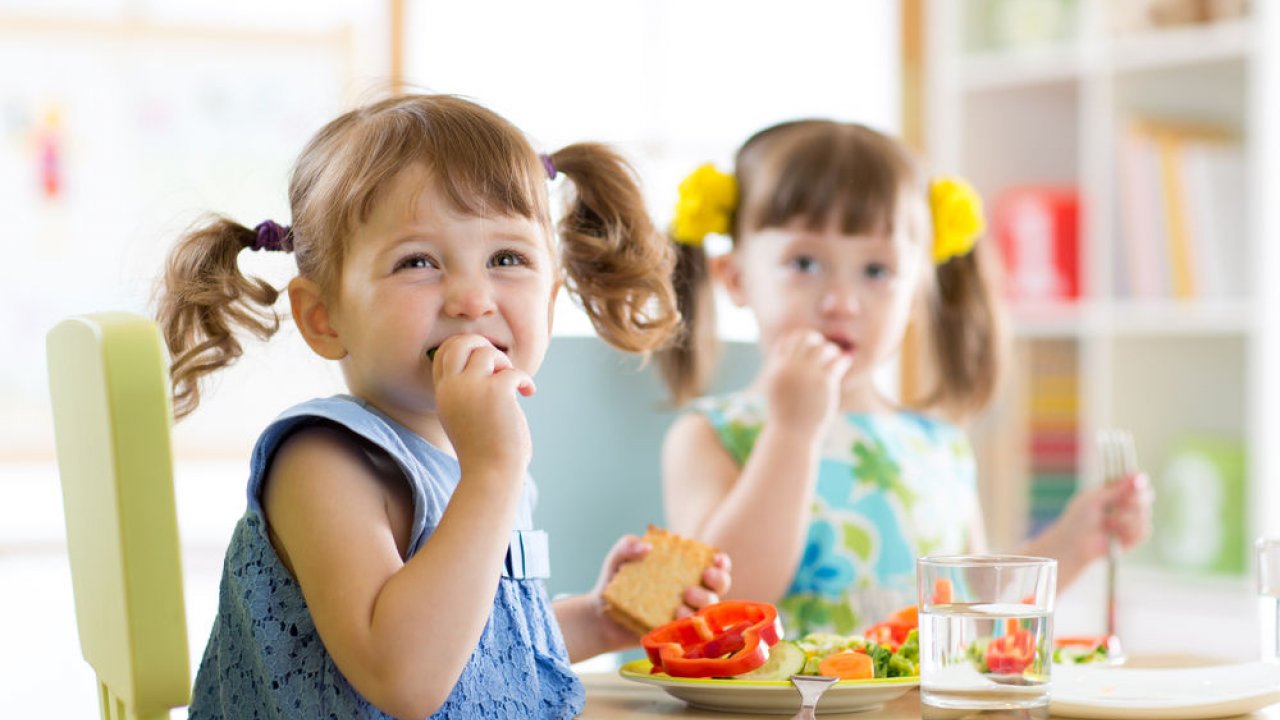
[1132,318]
[1176,47]
[992,70]
[1011,69]
[1049,320]
[1166,369]
[1171,317]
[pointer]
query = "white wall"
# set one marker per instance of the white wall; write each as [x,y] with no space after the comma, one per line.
[673,83]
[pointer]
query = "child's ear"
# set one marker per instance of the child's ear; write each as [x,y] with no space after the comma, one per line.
[311,313]
[727,270]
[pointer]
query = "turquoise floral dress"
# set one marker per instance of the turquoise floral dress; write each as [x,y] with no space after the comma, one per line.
[891,487]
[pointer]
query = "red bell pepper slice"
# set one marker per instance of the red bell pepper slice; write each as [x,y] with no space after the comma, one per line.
[721,640]
[893,631]
[1013,652]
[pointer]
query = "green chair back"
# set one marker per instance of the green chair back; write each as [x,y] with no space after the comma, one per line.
[111,410]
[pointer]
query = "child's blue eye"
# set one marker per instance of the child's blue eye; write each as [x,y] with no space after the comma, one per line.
[507,258]
[804,264]
[416,261]
[878,270]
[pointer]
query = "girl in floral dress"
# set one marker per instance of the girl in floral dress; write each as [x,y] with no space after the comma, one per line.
[822,487]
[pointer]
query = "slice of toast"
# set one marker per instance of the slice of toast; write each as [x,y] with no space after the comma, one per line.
[646,593]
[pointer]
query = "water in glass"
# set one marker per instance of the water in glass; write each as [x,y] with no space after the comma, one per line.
[987,660]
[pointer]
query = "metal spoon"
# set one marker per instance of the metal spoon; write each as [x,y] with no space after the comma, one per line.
[811,688]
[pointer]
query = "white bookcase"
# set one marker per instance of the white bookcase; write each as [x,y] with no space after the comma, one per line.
[1055,112]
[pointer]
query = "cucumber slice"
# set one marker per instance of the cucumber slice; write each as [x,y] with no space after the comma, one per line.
[785,659]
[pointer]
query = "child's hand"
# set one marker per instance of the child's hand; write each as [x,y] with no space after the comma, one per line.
[1121,509]
[802,380]
[715,583]
[476,386]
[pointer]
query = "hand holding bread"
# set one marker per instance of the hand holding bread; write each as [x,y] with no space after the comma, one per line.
[662,576]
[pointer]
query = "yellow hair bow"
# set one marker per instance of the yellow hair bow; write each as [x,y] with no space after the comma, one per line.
[957,218]
[707,200]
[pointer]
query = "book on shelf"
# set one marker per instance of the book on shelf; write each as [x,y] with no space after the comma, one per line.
[1182,212]
[1053,437]
[1037,229]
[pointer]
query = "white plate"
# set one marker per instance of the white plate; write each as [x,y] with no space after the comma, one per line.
[1084,691]
[770,697]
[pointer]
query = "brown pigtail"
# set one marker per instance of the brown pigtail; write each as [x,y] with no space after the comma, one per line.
[687,363]
[204,297]
[967,333]
[616,262]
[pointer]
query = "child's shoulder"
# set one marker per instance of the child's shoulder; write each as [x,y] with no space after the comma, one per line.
[363,423]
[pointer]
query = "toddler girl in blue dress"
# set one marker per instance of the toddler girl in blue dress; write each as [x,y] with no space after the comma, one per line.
[388,563]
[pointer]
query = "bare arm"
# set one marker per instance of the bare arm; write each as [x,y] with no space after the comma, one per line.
[587,630]
[402,631]
[758,515]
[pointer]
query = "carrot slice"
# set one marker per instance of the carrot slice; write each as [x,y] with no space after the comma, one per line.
[909,616]
[847,665]
[943,591]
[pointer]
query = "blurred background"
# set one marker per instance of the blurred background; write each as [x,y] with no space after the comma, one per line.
[1127,152]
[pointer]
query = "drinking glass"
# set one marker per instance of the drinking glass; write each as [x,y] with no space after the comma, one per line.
[1267,553]
[986,635]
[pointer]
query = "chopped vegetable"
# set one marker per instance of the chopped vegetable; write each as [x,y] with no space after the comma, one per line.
[943,592]
[906,662]
[785,659]
[721,640]
[1081,649]
[1013,652]
[909,616]
[880,656]
[847,665]
[977,654]
[893,631]
[716,641]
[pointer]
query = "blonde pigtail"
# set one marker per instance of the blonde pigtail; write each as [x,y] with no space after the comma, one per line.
[616,262]
[203,299]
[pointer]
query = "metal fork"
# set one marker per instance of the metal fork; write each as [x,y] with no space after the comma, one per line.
[1119,460]
[811,688]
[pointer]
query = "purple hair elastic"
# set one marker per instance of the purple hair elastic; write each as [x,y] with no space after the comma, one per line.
[549,166]
[273,236]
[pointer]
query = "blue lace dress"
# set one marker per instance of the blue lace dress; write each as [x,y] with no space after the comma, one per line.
[264,658]
[891,487]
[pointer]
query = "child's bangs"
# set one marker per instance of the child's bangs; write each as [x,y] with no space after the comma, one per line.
[498,180]
[828,178]
[479,167]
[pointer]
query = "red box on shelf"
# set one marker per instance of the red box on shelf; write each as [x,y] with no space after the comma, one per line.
[1037,228]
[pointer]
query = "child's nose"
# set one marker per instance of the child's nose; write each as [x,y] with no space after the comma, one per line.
[469,298]
[839,300]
